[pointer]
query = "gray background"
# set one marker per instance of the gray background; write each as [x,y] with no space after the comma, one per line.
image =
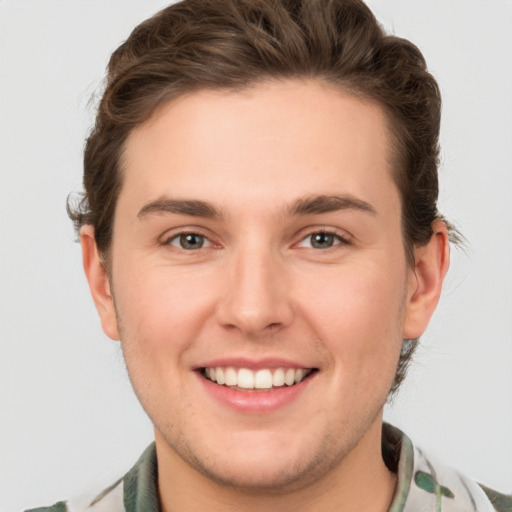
[68,420]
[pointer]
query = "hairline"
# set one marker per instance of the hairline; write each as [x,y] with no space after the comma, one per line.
[395,157]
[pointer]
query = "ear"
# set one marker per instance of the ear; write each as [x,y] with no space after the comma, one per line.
[425,281]
[99,284]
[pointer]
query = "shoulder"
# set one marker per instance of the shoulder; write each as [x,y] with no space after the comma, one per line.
[501,502]
[58,507]
[425,483]
[110,500]
[137,490]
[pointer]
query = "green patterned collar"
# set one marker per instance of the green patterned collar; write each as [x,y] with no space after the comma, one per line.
[422,484]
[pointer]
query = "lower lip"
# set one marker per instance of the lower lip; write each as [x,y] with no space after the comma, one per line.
[256,402]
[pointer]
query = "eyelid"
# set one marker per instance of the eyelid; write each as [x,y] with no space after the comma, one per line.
[343,237]
[206,241]
[174,233]
[171,234]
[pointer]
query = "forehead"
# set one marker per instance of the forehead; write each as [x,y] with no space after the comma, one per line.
[299,136]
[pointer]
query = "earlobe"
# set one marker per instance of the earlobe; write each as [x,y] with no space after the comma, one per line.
[99,284]
[426,279]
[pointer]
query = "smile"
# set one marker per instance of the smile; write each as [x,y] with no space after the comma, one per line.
[244,379]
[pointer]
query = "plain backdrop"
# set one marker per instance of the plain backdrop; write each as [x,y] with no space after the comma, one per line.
[69,422]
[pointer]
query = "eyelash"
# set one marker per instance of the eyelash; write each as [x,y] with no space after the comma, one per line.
[178,236]
[337,237]
[324,232]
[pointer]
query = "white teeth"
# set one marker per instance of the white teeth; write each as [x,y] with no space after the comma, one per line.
[230,377]
[263,379]
[219,376]
[245,378]
[289,377]
[299,375]
[278,378]
[260,379]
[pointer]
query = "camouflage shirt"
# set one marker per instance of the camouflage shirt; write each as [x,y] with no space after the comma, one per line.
[422,485]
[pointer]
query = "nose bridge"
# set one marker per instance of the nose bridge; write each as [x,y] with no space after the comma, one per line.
[255,295]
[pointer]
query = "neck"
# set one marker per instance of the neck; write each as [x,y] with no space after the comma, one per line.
[359,482]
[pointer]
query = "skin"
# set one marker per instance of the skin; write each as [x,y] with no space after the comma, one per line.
[259,288]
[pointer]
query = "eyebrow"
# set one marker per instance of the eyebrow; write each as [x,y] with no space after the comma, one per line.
[313,205]
[191,207]
[329,203]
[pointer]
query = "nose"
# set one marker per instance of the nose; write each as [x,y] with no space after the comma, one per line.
[255,296]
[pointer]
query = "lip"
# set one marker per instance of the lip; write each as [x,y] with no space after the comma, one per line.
[252,364]
[255,402]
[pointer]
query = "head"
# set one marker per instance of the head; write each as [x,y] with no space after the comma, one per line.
[227,45]
[222,57]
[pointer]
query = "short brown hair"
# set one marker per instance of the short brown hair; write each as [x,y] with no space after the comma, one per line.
[233,44]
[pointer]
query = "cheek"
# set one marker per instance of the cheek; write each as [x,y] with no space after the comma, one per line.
[162,310]
[358,315]
[160,318]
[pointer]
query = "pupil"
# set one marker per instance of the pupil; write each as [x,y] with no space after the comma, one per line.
[322,240]
[191,241]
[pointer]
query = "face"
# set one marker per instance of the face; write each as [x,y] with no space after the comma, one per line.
[259,278]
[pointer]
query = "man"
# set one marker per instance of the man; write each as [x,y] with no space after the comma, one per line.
[259,229]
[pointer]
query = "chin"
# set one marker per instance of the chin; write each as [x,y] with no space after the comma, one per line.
[261,465]
[262,476]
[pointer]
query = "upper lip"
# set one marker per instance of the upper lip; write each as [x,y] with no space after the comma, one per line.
[252,364]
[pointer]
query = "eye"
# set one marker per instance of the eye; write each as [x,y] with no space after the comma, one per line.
[189,241]
[322,240]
